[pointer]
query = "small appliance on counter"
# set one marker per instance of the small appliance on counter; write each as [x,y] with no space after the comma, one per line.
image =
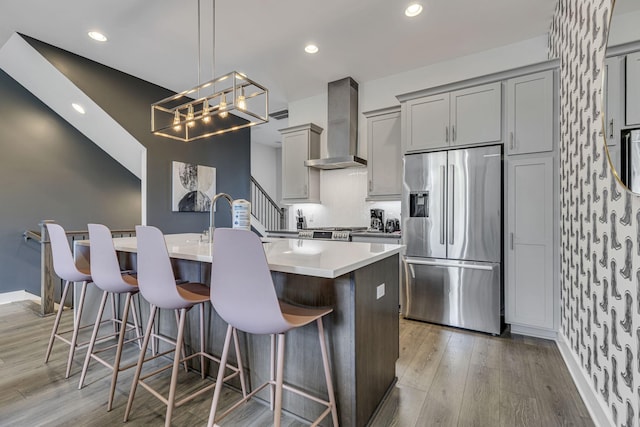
[301,221]
[392,225]
[377,220]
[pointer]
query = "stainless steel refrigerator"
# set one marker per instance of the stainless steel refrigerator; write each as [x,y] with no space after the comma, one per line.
[452,219]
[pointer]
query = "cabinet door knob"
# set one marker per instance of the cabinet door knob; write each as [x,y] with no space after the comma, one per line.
[446,134]
[511,240]
[511,141]
[370,185]
[453,133]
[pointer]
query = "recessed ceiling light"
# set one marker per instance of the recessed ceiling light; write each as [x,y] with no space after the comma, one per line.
[311,48]
[414,9]
[79,108]
[99,37]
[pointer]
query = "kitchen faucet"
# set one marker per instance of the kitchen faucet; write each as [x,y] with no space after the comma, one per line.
[215,198]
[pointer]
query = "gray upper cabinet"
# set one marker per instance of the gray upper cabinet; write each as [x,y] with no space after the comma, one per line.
[427,122]
[633,89]
[463,117]
[613,100]
[300,183]
[476,115]
[530,109]
[384,163]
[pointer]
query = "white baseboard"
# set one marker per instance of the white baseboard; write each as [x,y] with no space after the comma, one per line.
[8,297]
[599,413]
[534,332]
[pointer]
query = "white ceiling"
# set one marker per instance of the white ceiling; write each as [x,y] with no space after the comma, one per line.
[366,39]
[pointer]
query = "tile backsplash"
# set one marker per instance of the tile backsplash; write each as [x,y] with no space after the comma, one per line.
[343,193]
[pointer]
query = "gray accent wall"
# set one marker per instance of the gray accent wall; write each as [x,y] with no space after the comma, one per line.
[50,170]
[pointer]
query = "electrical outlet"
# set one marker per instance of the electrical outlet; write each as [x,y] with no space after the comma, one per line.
[380,291]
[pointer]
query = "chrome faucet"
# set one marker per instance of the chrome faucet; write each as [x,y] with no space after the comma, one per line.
[215,198]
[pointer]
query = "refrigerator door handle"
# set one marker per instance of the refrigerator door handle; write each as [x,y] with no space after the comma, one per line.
[445,263]
[452,192]
[443,176]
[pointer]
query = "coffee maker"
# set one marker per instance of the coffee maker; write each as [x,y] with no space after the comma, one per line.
[377,220]
[301,221]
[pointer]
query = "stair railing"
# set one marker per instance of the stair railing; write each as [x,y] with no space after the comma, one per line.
[265,209]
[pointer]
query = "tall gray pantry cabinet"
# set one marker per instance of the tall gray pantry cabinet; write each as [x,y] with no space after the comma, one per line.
[532,187]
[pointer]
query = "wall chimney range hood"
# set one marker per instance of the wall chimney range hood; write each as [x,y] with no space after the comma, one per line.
[342,127]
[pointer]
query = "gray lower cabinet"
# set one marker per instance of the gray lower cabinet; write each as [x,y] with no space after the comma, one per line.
[384,163]
[530,288]
[633,89]
[530,113]
[300,183]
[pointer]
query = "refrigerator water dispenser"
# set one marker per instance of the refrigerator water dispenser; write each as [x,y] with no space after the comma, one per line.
[419,204]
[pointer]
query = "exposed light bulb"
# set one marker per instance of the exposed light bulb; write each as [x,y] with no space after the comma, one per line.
[190,121]
[206,118]
[242,103]
[223,107]
[176,121]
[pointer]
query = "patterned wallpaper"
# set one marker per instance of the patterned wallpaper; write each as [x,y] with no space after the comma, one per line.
[600,221]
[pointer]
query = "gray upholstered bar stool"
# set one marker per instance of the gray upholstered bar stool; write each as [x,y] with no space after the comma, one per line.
[157,285]
[66,269]
[243,294]
[107,276]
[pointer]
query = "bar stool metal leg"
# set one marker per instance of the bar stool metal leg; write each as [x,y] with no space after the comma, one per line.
[327,372]
[272,371]
[145,342]
[116,363]
[56,323]
[239,363]
[92,341]
[218,388]
[76,327]
[176,367]
[183,354]
[279,380]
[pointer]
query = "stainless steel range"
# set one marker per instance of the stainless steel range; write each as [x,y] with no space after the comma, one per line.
[329,233]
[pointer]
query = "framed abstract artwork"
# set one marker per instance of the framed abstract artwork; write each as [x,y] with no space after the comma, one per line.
[193,187]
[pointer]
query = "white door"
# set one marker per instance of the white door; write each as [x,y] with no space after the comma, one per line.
[633,89]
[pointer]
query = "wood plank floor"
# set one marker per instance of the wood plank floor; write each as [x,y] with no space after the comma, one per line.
[446,377]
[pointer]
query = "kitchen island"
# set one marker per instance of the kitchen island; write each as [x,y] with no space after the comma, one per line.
[359,280]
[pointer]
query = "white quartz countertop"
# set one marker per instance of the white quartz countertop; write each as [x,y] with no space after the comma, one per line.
[320,258]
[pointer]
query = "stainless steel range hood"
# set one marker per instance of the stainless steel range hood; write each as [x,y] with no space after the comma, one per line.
[342,128]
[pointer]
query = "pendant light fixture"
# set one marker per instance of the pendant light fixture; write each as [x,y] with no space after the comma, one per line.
[224,104]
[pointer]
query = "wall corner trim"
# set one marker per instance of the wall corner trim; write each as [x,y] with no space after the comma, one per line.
[599,413]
